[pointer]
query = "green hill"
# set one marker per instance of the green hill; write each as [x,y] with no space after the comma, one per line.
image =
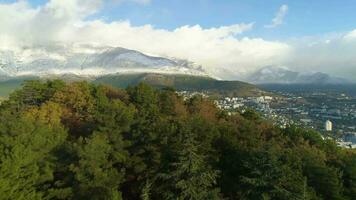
[8,86]
[178,82]
[183,82]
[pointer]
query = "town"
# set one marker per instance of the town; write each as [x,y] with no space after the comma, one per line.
[334,116]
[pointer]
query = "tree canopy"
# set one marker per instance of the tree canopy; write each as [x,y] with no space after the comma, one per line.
[82,141]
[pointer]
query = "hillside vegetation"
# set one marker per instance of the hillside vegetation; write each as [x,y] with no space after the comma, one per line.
[177,81]
[183,82]
[86,141]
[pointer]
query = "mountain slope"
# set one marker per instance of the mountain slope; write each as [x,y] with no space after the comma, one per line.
[179,82]
[115,66]
[183,82]
[88,60]
[8,86]
[282,75]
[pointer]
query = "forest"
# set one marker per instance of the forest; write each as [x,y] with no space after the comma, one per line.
[83,141]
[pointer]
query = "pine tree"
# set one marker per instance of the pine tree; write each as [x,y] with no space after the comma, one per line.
[191,177]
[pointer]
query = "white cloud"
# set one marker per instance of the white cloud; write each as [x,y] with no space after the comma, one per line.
[142,2]
[279,18]
[217,49]
[223,51]
[350,36]
[333,54]
[220,50]
[23,25]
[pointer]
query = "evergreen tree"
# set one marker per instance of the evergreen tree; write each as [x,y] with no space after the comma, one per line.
[191,177]
[85,141]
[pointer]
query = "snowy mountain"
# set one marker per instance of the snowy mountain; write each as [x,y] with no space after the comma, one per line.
[283,75]
[88,60]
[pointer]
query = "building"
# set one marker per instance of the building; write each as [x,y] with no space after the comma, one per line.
[306,121]
[328,125]
[268,98]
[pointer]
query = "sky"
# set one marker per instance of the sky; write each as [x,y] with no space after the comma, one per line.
[230,38]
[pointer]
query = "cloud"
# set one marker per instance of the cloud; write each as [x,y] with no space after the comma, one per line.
[142,2]
[217,49]
[221,50]
[332,53]
[278,19]
[23,25]
[350,36]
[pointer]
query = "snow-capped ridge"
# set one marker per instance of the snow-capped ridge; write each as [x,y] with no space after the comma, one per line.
[88,60]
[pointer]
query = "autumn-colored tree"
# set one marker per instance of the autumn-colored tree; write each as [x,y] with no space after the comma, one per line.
[83,141]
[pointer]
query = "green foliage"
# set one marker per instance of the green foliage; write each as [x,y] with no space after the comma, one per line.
[190,176]
[83,141]
[182,82]
[268,176]
[26,147]
[95,175]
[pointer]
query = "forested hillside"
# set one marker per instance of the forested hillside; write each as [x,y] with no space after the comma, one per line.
[83,141]
[181,82]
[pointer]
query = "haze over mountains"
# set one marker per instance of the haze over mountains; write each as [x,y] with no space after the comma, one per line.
[117,66]
[283,75]
[96,61]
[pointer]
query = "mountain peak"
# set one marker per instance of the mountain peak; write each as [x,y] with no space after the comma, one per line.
[89,60]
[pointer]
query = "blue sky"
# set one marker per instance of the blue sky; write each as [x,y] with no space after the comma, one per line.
[304,18]
[228,37]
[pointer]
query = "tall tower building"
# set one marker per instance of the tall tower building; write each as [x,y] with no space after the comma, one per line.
[328,125]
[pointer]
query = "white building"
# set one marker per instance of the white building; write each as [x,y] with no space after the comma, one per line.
[268,98]
[328,125]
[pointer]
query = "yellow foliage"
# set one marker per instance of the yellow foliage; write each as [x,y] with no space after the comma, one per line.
[49,113]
